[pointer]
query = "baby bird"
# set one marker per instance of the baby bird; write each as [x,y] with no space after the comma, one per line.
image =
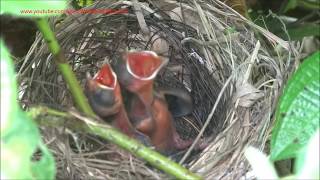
[104,96]
[147,110]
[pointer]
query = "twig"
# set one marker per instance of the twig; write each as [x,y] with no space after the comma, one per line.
[140,17]
[252,59]
[50,117]
[218,41]
[64,67]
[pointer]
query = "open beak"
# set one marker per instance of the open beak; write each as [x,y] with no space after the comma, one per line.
[144,65]
[136,72]
[106,77]
[104,95]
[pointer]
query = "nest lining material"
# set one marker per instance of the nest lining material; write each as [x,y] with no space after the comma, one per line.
[212,51]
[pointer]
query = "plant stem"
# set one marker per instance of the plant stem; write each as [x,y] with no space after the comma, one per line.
[64,67]
[49,117]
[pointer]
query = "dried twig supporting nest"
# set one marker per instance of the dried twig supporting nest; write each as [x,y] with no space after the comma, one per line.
[212,52]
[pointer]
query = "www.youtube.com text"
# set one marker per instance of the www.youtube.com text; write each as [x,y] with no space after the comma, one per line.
[72,11]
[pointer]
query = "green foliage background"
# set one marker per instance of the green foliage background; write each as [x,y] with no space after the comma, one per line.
[20,137]
[297,117]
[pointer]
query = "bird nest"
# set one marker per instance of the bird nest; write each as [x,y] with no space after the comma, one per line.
[234,79]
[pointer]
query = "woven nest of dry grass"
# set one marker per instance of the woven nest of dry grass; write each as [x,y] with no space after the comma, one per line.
[213,52]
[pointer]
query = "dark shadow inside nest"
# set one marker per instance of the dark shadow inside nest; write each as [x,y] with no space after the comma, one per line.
[114,34]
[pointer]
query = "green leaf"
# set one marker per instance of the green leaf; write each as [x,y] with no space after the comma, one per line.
[306,4]
[297,117]
[45,167]
[19,145]
[291,5]
[301,31]
[20,137]
[83,3]
[307,164]
[8,90]
[309,4]
[33,8]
